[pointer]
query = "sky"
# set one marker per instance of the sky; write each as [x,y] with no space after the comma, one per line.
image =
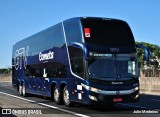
[22,18]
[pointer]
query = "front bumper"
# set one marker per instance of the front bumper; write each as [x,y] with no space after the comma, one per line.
[97,98]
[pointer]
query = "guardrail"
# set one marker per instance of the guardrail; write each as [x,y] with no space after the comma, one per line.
[150,85]
[150,73]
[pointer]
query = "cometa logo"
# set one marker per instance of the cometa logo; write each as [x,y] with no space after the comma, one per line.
[46,56]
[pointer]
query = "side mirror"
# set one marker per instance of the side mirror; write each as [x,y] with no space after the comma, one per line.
[147,53]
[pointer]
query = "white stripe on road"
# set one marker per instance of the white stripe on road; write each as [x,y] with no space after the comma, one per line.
[46,105]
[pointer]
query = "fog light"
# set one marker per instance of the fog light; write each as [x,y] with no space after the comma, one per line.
[92,97]
[136,88]
[136,96]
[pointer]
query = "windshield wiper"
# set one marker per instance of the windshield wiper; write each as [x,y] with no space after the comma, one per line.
[128,76]
[102,78]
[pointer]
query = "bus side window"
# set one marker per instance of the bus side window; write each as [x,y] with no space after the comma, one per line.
[77,60]
[78,63]
[61,71]
[49,69]
[27,71]
[56,70]
[33,72]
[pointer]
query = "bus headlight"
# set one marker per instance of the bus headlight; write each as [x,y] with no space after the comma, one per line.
[91,88]
[85,86]
[94,90]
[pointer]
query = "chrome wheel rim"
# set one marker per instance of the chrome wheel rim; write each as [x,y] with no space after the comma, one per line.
[23,90]
[20,89]
[56,95]
[66,96]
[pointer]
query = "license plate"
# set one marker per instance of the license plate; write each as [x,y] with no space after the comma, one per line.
[117,99]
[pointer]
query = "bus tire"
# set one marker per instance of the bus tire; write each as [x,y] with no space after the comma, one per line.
[24,90]
[20,89]
[56,96]
[66,99]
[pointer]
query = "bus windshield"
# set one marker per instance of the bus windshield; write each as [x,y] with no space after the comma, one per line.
[113,66]
[107,33]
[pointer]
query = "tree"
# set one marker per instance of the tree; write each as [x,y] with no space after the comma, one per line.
[154,52]
[5,71]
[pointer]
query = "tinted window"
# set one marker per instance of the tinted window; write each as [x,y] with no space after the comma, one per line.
[49,38]
[72,31]
[107,32]
[49,69]
[77,60]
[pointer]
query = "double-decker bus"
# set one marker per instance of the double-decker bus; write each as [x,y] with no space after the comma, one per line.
[86,60]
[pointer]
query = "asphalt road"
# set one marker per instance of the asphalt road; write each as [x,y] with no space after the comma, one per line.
[10,99]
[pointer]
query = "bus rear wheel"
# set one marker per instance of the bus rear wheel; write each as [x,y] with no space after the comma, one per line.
[56,96]
[20,90]
[66,99]
[24,90]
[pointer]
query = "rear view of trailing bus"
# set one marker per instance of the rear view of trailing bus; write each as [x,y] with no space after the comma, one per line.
[85,60]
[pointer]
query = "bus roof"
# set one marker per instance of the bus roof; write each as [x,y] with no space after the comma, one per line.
[102,31]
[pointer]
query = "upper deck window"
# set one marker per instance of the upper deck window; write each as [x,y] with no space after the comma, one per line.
[107,32]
